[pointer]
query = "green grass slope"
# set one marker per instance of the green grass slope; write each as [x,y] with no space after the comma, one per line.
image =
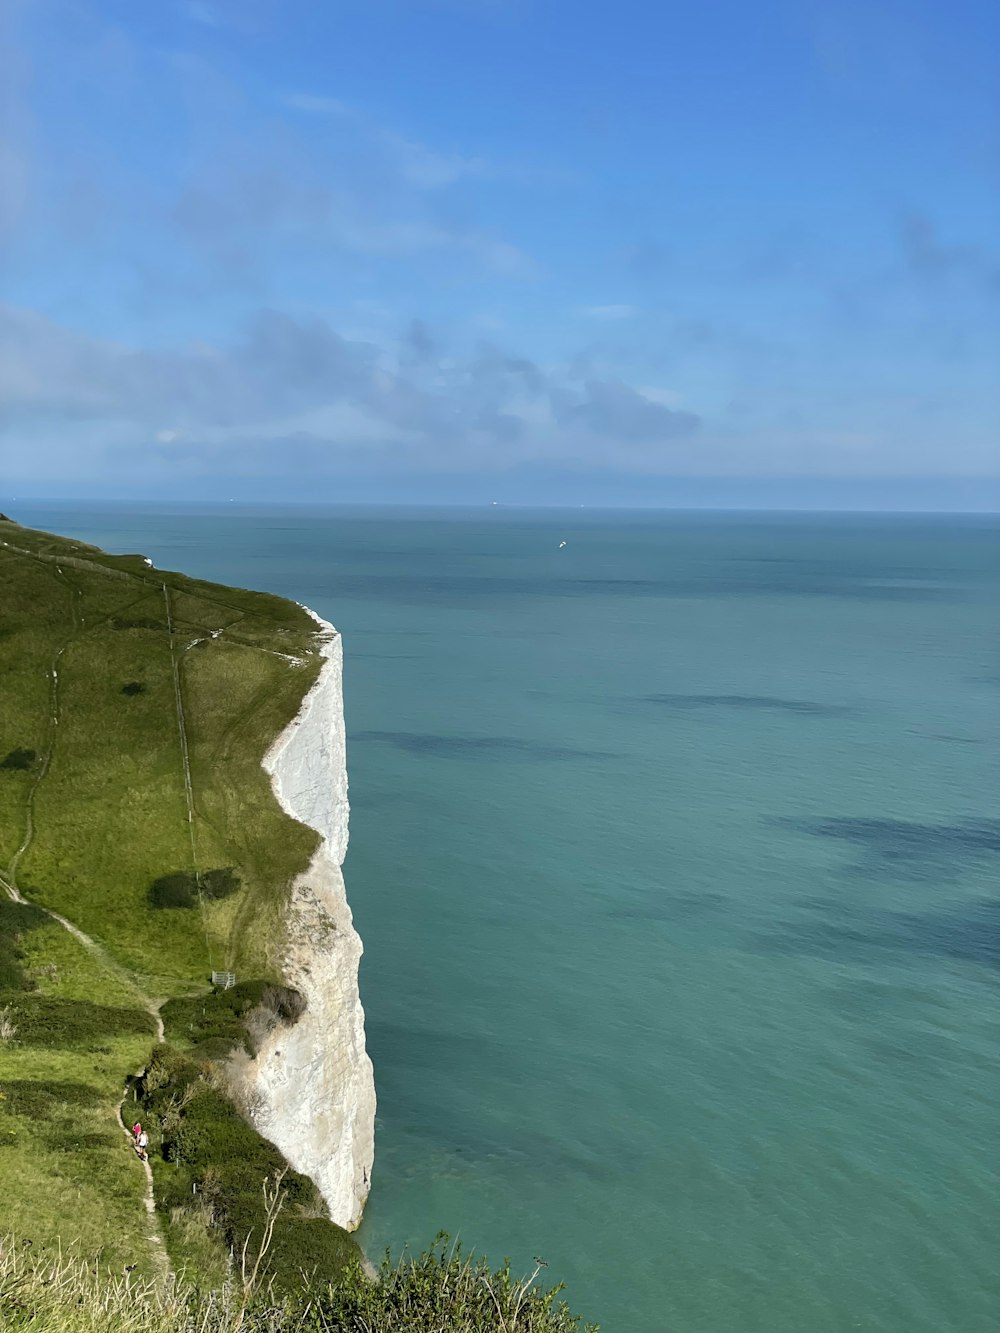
[105,797]
[141,847]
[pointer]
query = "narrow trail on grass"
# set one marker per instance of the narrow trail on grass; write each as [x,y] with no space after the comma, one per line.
[50,735]
[181,727]
[186,768]
[154,1232]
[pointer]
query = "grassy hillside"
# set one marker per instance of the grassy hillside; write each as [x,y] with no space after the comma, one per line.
[141,847]
[103,796]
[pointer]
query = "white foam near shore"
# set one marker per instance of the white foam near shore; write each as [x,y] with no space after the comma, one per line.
[311,1088]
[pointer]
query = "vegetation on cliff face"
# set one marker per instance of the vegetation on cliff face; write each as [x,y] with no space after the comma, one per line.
[214,1171]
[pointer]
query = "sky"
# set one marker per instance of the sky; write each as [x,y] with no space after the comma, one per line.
[463,250]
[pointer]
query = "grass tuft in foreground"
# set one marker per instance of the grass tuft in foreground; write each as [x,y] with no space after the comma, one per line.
[443,1291]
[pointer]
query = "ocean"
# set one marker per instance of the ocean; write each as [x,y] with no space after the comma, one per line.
[674,850]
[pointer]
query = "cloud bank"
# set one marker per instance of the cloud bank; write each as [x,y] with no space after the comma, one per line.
[291,385]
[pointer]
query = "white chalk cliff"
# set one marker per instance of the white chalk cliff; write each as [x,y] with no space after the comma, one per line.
[312,1087]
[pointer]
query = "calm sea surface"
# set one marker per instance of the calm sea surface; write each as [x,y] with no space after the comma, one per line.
[675,856]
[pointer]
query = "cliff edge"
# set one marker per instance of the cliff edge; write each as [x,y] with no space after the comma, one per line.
[311,1088]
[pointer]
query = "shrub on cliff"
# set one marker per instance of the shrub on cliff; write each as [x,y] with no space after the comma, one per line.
[178,890]
[183,888]
[213,1024]
[213,1160]
[19,760]
[443,1291]
[52,1021]
[216,884]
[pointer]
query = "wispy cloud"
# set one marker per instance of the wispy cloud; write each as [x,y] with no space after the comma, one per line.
[365,196]
[427,169]
[242,192]
[417,163]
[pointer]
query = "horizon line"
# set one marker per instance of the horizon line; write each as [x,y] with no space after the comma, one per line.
[474,505]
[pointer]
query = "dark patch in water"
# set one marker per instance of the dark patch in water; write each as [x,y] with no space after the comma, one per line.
[422,1048]
[393,633]
[446,1115]
[862,996]
[475,747]
[476,591]
[749,702]
[907,849]
[968,932]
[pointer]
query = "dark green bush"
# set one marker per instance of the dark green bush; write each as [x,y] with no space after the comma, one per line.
[169,1072]
[215,1048]
[287,1003]
[217,884]
[133,687]
[72,1141]
[437,1293]
[214,1157]
[19,760]
[41,1100]
[211,1131]
[177,890]
[312,1248]
[48,1020]
[195,1019]
[183,887]
[214,1023]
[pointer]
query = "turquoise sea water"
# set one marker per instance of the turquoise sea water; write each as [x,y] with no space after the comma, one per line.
[674,852]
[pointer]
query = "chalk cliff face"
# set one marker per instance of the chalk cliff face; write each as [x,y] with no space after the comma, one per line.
[312,1090]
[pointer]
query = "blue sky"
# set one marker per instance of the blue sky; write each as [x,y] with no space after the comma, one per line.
[468,249]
